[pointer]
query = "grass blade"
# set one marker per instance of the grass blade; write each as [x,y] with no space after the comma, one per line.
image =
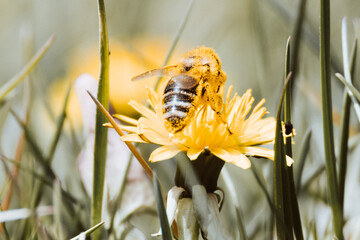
[292,219]
[263,187]
[297,35]
[21,142]
[165,228]
[327,117]
[4,230]
[345,120]
[59,127]
[22,213]
[176,39]
[312,177]
[309,33]
[352,89]
[280,174]
[278,181]
[117,202]
[45,179]
[18,78]
[100,145]
[88,232]
[57,202]
[34,147]
[349,67]
[26,105]
[304,149]
[231,189]
[288,92]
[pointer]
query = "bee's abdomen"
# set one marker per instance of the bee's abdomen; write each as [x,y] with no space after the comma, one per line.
[177,104]
[176,107]
[178,99]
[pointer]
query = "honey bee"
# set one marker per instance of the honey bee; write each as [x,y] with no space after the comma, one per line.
[195,81]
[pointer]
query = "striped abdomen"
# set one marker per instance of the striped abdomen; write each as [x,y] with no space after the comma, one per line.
[178,99]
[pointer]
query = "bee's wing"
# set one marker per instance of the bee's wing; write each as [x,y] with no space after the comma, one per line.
[168,71]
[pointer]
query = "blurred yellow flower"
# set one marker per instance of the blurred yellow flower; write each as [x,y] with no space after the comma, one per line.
[126,60]
[206,132]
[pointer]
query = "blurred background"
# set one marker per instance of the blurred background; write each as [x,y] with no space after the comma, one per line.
[249,37]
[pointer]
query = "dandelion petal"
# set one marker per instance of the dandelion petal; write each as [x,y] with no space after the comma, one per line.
[193,153]
[232,156]
[163,153]
[264,152]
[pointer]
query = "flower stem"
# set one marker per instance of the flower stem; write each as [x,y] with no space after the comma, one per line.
[205,170]
[100,145]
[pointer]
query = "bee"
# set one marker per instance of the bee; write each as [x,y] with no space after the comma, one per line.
[195,81]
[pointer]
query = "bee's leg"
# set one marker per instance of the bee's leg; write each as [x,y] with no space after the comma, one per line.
[220,116]
[215,102]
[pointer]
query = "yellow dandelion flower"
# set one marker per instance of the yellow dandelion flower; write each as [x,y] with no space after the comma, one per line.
[205,131]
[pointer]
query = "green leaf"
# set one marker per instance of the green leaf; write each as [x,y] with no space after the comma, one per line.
[288,92]
[100,145]
[287,181]
[333,190]
[18,78]
[280,174]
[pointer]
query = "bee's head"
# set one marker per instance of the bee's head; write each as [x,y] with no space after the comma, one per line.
[203,61]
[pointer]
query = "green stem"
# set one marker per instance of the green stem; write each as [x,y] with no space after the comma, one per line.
[100,131]
[164,223]
[190,173]
[333,190]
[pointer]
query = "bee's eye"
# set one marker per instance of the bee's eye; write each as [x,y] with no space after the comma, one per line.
[187,68]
